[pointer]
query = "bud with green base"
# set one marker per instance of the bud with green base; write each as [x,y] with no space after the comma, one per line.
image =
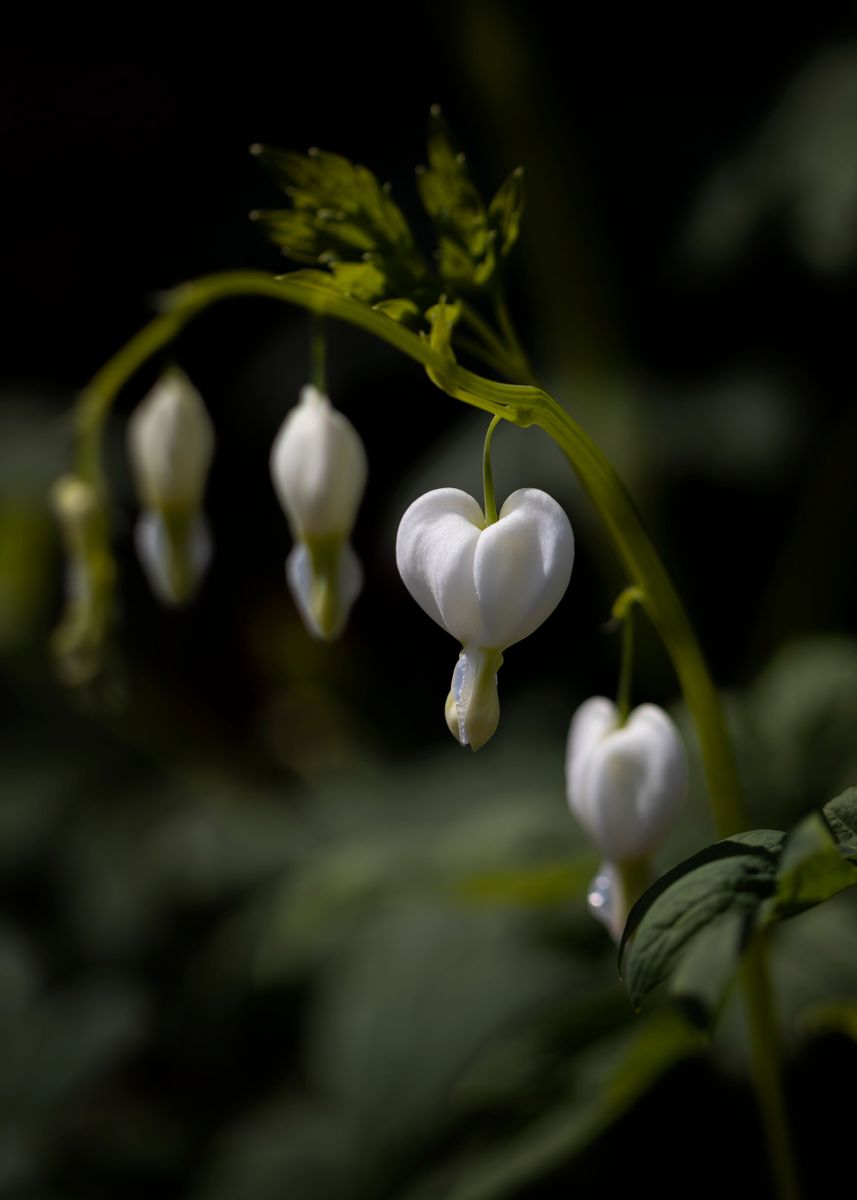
[171,444]
[626,784]
[318,467]
[488,583]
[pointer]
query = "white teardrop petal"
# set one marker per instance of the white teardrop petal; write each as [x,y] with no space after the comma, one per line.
[627,787]
[522,566]
[324,611]
[435,546]
[171,443]
[155,555]
[595,718]
[318,467]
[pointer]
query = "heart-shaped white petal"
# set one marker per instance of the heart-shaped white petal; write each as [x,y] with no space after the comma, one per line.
[625,785]
[489,586]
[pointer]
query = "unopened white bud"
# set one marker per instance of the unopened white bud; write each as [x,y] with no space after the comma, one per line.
[318,468]
[626,783]
[489,585]
[171,444]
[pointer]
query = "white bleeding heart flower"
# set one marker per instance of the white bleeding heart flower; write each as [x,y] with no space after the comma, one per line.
[318,467]
[171,445]
[626,784]
[489,585]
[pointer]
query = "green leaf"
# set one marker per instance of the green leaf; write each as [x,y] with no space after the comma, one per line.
[506,210]
[341,214]
[442,318]
[841,817]
[466,255]
[362,281]
[609,1081]
[812,869]
[400,309]
[705,972]
[728,880]
[540,885]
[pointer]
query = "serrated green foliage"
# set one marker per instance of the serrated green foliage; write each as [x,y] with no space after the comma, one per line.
[341,215]
[692,926]
[470,237]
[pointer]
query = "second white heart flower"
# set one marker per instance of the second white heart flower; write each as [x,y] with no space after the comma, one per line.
[489,585]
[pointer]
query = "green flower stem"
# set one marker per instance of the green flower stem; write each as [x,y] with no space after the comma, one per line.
[524,405]
[318,363]
[488,474]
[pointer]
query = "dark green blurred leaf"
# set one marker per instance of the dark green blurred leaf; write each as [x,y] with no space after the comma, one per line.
[543,884]
[506,210]
[608,1082]
[706,970]
[729,879]
[841,817]
[812,869]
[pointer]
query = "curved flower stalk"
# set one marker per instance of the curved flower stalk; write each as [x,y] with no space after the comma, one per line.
[489,585]
[318,467]
[171,444]
[626,784]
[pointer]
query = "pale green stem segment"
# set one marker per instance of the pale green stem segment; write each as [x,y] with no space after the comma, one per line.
[524,405]
[488,474]
[319,354]
[623,610]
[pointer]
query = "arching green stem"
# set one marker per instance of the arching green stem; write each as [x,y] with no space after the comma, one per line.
[524,405]
[488,474]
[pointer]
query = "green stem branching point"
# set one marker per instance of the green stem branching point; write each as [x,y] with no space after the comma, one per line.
[488,474]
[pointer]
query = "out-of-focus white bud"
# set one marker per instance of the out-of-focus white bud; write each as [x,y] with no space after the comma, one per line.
[318,468]
[626,784]
[171,445]
[489,585]
[78,641]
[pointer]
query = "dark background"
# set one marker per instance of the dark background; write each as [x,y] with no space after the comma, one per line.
[710,355]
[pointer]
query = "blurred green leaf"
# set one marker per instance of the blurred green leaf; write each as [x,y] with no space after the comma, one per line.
[506,210]
[608,1080]
[400,310]
[341,214]
[812,868]
[727,880]
[466,254]
[542,884]
[841,817]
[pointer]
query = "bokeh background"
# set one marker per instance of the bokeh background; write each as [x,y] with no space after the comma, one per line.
[265,930]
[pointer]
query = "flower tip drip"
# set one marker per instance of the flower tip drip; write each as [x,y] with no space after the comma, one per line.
[319,470]
[489,585]
[171,445]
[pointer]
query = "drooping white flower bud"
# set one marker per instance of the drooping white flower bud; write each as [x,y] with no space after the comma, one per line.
[171,445]
[318,467]
[626,784]
[489,585]
[78,641]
